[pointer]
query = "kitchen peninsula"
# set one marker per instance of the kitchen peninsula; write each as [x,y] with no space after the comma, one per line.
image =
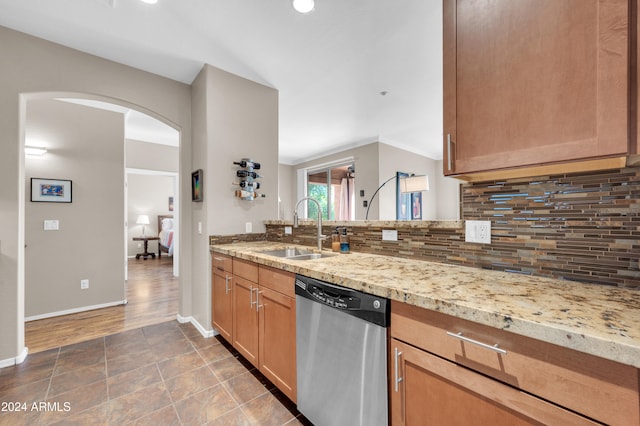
[599,321]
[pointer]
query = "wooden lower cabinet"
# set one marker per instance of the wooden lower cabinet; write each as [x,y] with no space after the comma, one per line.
[257,315]
[222,303]
[463,372]
[278,340]
[245,319]
[429,390]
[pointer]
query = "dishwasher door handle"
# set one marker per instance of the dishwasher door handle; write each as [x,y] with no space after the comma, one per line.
[398,379]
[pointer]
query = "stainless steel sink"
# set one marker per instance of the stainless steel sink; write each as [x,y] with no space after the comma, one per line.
[295,253]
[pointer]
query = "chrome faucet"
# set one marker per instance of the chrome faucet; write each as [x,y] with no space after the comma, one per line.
[319,222]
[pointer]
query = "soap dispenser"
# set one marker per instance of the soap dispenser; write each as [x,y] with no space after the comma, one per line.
[344,242]
[335,240]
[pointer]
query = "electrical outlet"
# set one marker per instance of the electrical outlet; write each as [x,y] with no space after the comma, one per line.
[478,231]
[84,284]
[288,230]
[248,227]
[389,235]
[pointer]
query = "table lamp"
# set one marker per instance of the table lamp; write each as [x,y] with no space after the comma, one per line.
[143,220]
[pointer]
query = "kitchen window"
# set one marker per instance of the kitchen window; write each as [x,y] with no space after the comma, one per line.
[333,187]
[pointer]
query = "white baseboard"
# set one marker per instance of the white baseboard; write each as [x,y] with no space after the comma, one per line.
[17,360]
[75,310]
[197,325]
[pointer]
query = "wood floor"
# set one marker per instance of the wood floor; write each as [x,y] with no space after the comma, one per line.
[152,296]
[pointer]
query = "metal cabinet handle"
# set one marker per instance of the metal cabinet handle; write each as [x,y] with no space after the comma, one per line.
[449,160]
[227,288]
[398,379]
[494,348]
[250,296]
[258,305]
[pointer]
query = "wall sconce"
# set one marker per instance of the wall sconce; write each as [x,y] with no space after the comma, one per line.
[408,184]
[35,150]
[143,220]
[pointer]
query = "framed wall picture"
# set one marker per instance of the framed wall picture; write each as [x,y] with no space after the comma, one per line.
[196,185]
[50,190]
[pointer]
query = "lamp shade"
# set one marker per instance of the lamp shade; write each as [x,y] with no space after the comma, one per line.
[414,184]
[142,219]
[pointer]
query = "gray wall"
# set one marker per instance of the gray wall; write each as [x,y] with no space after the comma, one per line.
[151,156]
[233,118]
[86,146]
[286,191]
[33,68]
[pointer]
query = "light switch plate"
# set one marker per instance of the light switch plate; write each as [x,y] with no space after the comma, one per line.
[477,231]
[389,235]
[51,225]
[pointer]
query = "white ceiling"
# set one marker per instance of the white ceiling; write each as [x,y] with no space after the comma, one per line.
[329,66]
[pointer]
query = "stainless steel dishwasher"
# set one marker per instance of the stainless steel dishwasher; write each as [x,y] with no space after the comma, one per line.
[341,354]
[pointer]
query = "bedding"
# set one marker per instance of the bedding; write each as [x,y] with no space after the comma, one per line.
[165,244]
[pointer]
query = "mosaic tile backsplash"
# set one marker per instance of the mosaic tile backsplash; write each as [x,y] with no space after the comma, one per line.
[579,227]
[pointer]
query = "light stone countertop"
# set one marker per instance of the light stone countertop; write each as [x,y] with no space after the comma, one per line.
[595,319]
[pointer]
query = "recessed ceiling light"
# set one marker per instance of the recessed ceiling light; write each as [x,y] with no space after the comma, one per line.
[149,1]
[303,6]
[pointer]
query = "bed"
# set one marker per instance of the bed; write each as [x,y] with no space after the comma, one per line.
[165,233]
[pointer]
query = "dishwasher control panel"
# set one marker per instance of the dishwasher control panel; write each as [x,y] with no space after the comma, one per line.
[333,299]
[362,305]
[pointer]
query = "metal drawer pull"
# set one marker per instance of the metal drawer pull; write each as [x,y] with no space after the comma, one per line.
[227,289]
[494,348]
[397,357]
[250,297]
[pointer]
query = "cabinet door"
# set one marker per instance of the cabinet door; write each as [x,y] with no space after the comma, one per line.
[222,303]
[278,340]
[533,82]
[428,390]
[245,319]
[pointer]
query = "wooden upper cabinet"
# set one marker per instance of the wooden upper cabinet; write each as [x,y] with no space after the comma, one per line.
[534,82]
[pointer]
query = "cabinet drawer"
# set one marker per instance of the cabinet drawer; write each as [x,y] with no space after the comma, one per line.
[221,262]
[429,390]
[601,389]
[245,269]
[277,280]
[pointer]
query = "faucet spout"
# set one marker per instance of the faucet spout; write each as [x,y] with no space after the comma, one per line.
[320,237]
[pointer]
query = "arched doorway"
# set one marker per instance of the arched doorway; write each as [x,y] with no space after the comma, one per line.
[80,245]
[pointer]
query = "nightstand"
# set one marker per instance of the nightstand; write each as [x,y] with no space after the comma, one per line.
[146,247]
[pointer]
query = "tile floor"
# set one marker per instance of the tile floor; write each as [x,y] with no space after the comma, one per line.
[165,374]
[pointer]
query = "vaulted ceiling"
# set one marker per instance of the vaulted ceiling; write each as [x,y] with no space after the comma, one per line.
[349,73]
